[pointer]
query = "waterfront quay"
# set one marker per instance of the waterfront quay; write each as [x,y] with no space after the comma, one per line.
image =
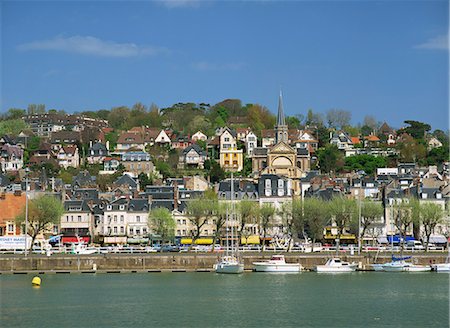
[174,262]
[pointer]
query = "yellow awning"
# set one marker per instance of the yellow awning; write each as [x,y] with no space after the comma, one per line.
[186,241]
[254,240]
[204,241]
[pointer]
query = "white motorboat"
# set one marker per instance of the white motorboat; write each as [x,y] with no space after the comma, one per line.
[417,268]
[377,266]
[276,264]
[336,265]
[396,266]
[441,267]
[229,264]
[82,249]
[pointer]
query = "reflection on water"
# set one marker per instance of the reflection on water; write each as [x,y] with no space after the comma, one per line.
[213,300]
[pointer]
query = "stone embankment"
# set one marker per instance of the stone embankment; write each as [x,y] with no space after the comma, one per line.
[175,262]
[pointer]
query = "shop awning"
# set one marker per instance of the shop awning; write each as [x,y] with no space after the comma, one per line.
[137,240]
[68,240]
[382,240]
[253,240]
[204,241]
[186,241]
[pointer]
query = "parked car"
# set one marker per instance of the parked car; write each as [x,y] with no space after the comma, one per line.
[414,245]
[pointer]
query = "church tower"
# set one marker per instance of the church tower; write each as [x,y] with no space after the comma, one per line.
[281,129]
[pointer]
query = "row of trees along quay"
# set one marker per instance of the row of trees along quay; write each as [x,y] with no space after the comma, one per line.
[305,218]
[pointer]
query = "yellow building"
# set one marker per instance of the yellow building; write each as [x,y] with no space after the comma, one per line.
[231,158]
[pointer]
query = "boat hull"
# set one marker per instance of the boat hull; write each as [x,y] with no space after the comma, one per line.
[418,268]
[328,269]
[264,267]
[234,268]
[395,267]
[442,267]
[377,267]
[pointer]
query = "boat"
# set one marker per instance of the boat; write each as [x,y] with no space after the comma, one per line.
[81,248]
[397,264]
[336,265]
[377,266]
[418,268]
[441,267]
[229,263]
[276,264]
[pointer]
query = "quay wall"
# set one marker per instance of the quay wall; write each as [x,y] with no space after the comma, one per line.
[176,261]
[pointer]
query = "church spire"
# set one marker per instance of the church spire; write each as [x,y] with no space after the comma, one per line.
[280,119]
[281,129]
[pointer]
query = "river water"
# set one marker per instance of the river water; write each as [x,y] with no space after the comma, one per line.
[361,299]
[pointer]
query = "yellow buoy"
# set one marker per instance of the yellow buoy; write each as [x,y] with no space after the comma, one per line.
[36,281]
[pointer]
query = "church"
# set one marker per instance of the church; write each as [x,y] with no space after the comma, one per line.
[282,159]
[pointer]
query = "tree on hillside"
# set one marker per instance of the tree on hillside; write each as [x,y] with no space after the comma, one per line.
[12,127]
[118,116]
[15,113]
[368,163]
[403,215]
[410,149]
[330,159]
[220,217]
[314,119]
[370,122]
[338,118]
[162,223]
[43,213]
[198,210]
[417,130]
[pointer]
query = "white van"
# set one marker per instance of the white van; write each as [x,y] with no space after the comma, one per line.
[414,245]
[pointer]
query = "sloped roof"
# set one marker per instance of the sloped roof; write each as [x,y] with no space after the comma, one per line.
[130,138]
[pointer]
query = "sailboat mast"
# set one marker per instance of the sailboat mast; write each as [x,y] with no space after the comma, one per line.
[232,214]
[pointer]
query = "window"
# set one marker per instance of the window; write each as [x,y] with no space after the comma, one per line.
[10,227]
[71,218]
[115,218]
[226,139]
[55,229]
[115,229]
[122,230]
[131,231]
[144,231]
[138,231]
[109,218]
[121,218]
[67,218]
[138,218]
[79,218]
[184,221]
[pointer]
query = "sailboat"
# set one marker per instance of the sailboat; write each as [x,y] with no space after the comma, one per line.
[443,267]
[230,262]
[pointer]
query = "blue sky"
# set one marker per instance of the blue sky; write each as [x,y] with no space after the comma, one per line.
[388,59]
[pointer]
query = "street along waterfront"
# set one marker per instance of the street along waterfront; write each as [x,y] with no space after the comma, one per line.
[212,300]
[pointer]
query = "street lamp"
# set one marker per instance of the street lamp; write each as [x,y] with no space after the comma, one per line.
[26,210]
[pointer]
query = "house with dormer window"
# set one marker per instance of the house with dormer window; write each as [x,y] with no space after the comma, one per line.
[231,158]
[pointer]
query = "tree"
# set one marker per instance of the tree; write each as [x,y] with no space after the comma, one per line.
[316,216]
[222,210]
[430,215]
[15,113]
[314,119]
[370,122]
[12,127]
[417,130]
[42,212]
[266,213]
[410,149]
[216,173]
[288,215]
[198,209]
[368,163]
[248,211]
[162,223]
[144,180]
[370,212]
[403,215]
[342,210]
[330,159]
[338,118]
[118,117]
